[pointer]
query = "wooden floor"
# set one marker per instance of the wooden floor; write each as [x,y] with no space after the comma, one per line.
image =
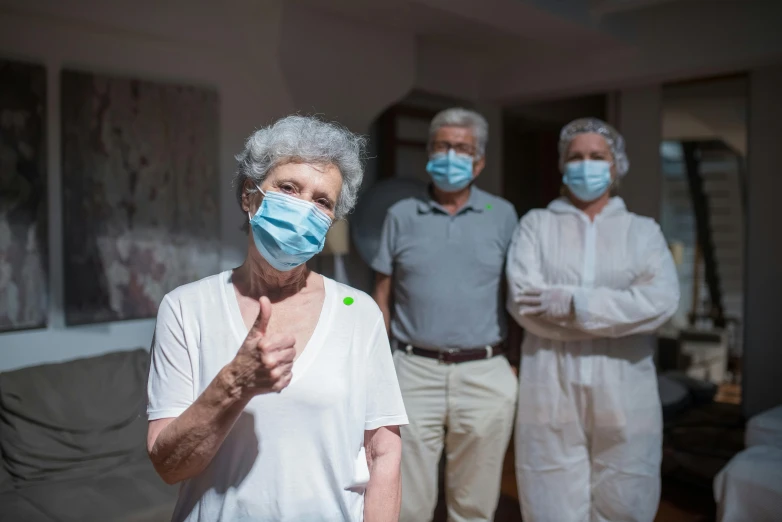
[729,393]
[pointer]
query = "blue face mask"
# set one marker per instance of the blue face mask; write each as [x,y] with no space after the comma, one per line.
[451,171]
[288,231]
[587,179]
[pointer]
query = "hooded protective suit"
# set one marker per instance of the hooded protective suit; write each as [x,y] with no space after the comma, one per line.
[590,295]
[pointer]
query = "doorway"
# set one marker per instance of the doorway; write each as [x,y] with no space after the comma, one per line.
[532,177]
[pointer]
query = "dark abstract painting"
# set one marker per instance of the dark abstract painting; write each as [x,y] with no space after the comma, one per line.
[23,240]
[140,193]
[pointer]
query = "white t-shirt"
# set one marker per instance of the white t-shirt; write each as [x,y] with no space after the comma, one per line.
[293,456]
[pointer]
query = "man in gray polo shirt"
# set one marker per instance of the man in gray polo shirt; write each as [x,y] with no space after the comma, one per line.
[442,260]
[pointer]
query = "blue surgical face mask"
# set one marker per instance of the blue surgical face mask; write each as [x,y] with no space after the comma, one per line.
[450,171]
[288,231]
[587,179]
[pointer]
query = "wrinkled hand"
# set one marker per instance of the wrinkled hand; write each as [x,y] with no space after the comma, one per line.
[264,361]
[556,303]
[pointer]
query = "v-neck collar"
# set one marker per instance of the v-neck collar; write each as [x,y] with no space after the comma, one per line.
[317,339]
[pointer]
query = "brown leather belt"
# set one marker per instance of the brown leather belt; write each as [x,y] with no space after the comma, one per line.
[454,355]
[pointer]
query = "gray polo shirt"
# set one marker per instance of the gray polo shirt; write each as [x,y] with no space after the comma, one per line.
[448,271]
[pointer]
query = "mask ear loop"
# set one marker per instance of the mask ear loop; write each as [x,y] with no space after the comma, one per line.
[250,216]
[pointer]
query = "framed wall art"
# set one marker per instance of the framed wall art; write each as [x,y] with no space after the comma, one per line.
[140,185]
[23,208]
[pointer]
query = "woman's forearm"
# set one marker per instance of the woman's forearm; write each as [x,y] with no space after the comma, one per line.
[383,496]
[188,443]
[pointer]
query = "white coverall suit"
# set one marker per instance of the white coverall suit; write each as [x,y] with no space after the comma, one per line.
[588,439]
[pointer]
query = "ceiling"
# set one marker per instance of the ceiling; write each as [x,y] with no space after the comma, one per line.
[525,50]
[478,24]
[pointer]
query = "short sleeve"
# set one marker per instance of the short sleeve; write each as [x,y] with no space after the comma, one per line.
[170,384]
[384,259]
[384,406]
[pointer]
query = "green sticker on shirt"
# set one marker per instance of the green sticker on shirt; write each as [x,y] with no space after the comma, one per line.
[348,301]
[488,207]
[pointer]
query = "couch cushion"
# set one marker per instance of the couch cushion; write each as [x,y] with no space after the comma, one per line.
[129,494]
[765,429]
[6,481]
[15,508]
[749,487]
[74,419]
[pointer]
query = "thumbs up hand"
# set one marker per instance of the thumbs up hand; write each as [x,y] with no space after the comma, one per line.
[264,361]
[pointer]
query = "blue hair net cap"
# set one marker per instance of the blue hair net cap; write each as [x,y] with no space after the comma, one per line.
[593,125]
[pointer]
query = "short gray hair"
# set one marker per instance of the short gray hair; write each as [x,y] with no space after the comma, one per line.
[458,117]
[303,139]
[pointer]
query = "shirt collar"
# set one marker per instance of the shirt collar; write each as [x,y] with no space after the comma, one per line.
[475,202]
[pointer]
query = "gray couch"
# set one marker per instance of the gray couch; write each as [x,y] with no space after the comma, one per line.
[72,443]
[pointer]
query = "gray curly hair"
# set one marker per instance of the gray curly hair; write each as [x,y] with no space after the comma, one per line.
[593,125]
[303,139]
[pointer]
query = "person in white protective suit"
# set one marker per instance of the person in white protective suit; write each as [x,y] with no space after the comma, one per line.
[590,283]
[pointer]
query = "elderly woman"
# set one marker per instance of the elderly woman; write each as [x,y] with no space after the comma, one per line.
[272,392]
[590,282]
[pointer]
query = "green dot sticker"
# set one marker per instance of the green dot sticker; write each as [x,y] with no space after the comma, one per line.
[488,207]
[348,301]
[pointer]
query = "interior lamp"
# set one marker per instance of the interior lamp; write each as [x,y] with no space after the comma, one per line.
[338,246]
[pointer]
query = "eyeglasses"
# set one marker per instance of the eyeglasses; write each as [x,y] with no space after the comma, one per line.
[459,148]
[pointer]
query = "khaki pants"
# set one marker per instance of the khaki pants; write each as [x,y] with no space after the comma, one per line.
[468,408]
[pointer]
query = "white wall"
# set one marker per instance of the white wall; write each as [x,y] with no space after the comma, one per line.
[201,45]
[762,363]
[450,71]
[245,49]
[491,179]
[347,71]
[639,119]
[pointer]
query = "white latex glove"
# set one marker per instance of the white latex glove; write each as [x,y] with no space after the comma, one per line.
[556,303]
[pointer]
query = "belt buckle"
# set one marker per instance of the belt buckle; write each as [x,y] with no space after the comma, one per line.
[442,353]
